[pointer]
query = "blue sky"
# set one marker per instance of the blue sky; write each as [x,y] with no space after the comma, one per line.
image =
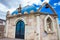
[11,5]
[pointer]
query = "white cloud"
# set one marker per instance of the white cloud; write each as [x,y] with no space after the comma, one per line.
[3,7]
[54,7]
[3,10]
[2,16]
[30,2]
[59,21]
[46,1]
[57,3]
[11,10]
[15,3]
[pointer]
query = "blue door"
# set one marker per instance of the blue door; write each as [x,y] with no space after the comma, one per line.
[20,29]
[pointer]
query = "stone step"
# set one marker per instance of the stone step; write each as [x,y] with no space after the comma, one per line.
[10,39]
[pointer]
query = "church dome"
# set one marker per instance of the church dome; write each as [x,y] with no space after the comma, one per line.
[26,9]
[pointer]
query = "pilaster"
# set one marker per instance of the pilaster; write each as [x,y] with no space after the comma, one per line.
[37,27]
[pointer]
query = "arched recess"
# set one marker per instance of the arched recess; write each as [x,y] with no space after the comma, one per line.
[15,22]
[49,24]
[20,29]
[18,20]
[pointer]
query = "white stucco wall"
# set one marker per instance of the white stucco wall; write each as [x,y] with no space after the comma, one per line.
[34,27]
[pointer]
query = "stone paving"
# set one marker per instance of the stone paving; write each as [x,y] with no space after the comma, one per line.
[10,39]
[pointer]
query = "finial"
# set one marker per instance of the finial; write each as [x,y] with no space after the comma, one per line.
[19,9]
[20,6]
[8,13]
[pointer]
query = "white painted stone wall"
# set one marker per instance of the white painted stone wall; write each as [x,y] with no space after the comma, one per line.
[33,24]
[45,36]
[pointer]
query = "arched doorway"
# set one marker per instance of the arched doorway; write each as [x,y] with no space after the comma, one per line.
[20,29]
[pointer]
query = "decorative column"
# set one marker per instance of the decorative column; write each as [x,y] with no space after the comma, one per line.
[7,24]
[58,33]
[38,27]
[6,29]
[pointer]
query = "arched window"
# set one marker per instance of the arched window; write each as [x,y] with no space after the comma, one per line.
[49,24]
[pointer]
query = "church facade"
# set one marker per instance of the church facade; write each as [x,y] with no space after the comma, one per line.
[34,26]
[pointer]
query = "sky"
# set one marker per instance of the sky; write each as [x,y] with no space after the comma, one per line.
[11,5]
